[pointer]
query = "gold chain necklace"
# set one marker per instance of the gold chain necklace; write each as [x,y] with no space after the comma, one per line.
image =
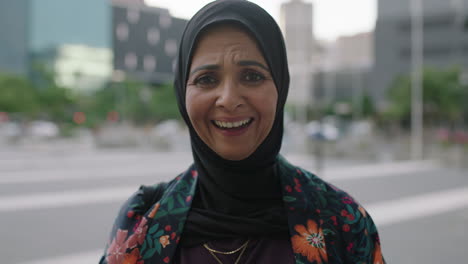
[212,251]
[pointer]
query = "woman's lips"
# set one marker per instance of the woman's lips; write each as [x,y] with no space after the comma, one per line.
[235,123]
[236,128]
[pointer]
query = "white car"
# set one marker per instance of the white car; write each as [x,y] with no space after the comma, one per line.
[43,129]
[324,131]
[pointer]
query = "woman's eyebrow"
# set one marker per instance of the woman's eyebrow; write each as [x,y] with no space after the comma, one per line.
[205,67]
[252,63]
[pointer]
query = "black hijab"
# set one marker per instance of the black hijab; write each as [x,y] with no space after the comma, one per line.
[236,198]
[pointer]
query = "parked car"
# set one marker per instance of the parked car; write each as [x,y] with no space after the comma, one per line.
[43,129]
[322,131]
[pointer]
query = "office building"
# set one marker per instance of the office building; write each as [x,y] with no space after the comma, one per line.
[145,41]
[354,52]
[13,36]
[296,23]
[32,26]
[344,72]
[81,68]
[445,39]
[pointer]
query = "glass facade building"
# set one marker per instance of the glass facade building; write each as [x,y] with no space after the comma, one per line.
[29,27]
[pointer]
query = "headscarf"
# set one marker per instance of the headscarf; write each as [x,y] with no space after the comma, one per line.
[236,198]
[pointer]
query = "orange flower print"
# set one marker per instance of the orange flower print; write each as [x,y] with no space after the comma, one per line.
[363,211]
[378,259]
[116,251]
[138,237]
[154,211]
[132,258]
[310,242]
[164,240]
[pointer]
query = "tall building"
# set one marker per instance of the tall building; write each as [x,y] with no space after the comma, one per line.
[79,67]
[14,38]
[296,23]
[345,68]
[32,26]
[145,41]
[445,41]
[354,52]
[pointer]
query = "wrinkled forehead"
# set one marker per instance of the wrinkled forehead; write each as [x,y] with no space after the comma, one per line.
[226,38]
[220,28]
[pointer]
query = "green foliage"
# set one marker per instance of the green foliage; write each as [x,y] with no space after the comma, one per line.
[368,108]
[44,98]
[40,99]
[443,97]
[135,101]
[17,95]
[164,103]
[56,102]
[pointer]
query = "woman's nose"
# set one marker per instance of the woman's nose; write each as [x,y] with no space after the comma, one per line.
[229,96]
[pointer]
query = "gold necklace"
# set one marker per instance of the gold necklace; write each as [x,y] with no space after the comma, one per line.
[212,251]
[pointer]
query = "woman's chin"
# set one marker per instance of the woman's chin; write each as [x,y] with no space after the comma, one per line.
[234,155]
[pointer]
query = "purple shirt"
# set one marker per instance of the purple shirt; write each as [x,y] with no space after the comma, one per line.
[258,251]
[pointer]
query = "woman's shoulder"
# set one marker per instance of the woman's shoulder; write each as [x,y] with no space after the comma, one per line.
[142,200]
[323,193]
[147,195]
[341,217]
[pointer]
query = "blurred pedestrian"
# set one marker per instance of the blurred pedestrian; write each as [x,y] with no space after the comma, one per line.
[240,201]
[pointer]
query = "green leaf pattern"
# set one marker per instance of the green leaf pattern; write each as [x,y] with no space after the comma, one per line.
[349,233]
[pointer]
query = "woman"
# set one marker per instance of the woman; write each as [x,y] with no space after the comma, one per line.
[240,202]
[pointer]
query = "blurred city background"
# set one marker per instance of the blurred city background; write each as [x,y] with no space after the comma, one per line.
[378,105]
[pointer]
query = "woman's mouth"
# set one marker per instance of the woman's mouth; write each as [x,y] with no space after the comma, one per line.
[232,125]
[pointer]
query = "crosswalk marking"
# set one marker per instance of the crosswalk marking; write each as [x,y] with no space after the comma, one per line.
[89,257]
[169,170]
[407,208]
[65,198]
[100,195]
[381,170]
[25,177]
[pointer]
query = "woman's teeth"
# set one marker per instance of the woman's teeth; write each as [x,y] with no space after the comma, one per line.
[222,124]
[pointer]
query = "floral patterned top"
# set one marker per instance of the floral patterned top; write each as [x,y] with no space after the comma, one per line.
[326,225]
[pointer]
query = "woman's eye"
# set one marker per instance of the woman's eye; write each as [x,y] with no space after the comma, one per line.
[253,77]
[205,80]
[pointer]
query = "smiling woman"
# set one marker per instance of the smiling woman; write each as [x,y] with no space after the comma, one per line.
[231,97]
[240,201]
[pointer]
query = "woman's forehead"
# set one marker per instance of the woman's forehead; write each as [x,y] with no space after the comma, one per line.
[226,42]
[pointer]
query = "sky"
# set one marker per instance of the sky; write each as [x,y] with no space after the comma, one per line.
[331,18]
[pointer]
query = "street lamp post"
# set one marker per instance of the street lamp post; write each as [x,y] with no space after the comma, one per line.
[417,43]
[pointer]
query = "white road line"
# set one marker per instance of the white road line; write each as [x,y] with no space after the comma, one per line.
[92,159]
[384,214]
[381,170]
[91,257]
[143,169]
[116,171]
[78,197]
[395,211]
[65,198]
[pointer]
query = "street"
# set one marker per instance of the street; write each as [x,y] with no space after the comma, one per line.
[58,206]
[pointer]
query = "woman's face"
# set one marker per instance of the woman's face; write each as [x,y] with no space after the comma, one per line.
[230,97]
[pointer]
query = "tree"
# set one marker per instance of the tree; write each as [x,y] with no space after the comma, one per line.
[39,98]
[56,102]
[443,97]
[136,102]
[164,103]
[368,108]
[17,95]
